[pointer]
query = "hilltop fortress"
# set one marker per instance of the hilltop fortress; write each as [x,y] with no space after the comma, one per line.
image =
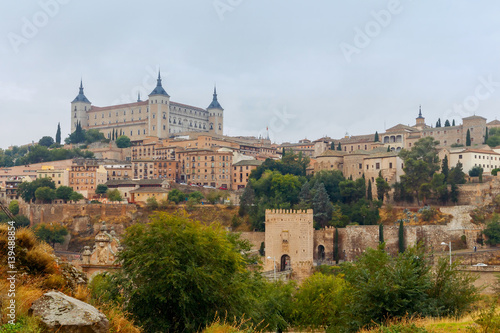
[155,117]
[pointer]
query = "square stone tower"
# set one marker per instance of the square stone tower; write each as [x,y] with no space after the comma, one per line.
[289,241]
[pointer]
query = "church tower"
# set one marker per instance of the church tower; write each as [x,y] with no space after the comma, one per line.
[159,109]
[215,116]
[79,108]
[420,119]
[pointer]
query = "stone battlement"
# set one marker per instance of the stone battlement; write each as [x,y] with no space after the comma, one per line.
[288,211]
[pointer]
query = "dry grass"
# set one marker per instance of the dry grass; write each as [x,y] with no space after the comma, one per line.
[82,293]
[119,322]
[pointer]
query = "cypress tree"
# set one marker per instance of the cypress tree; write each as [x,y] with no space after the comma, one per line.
[486,136]
[332,146]
[467,139]
[401,237]
[447,123]
[445,170]
[388,149]
[58,133]
[376,137]
[453,122]
[339,147]
[369,195]
[381,233]
[336,246]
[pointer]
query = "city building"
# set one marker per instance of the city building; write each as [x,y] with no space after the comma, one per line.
[59,176]
[241,173]
[157,116]
[85,175]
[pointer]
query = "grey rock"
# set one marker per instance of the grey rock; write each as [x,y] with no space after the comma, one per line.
[61,313]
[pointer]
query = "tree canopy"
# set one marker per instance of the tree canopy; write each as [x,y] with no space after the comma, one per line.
[186,273]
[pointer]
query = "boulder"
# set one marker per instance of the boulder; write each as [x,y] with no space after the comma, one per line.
[61,313]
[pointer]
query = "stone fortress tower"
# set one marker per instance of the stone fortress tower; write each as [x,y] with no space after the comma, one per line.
[289,241]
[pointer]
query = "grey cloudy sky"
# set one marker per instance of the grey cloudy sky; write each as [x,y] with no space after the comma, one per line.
[301,68]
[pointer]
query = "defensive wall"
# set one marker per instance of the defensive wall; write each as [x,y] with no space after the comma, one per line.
[290,236]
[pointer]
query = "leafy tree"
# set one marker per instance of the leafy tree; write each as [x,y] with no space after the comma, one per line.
[176,196]
[22,221]
[376,139]
[305,196]
[492,231]
[51,233]
[456,175]
[58,134]
[114,195]
[186,273]
[475,171]
[330,293]
[352,191]
[93,135]
[14,207]
[322,207]
[196,196]
[214,197]
[101,189]
[383,287]
[452,291]
[64,192]
[27,189]
[75,196]
[467,138]
[447,123]
[152,203]
[420,163]
[246,200]
[45,194]
[46,141]
[123,141]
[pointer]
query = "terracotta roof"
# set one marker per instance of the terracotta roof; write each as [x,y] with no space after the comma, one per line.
[401,127]
[149,190]
[248,162]
[337,153]
[494,123]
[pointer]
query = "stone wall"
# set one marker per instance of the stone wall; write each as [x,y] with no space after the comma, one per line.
[284,235]
[47,213]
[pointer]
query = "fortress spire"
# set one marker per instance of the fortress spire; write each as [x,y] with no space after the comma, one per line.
[215,103]
[81,96]
[159,88]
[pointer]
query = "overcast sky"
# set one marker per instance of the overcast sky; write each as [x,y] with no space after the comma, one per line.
[302,68]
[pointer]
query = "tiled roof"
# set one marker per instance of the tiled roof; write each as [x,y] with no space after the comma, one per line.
[248,162]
